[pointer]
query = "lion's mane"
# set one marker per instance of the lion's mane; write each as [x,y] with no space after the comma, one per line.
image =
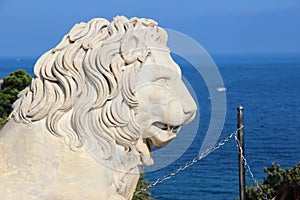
[88,80]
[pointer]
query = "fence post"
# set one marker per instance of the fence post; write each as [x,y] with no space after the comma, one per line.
[241,153]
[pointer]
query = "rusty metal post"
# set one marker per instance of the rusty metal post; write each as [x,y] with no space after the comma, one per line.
[240,126]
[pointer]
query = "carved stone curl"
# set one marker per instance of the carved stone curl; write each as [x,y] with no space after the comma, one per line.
[97,103]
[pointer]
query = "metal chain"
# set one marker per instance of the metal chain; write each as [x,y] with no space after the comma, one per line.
[247,167]
[203,155]
[191,162]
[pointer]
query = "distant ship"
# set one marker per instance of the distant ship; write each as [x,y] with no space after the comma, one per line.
[221,89]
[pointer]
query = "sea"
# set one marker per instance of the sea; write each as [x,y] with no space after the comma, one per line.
[266,86]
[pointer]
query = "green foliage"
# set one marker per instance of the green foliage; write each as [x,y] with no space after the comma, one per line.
[2,122]
[17,80]
[10,88]
[142,195]
[276,179]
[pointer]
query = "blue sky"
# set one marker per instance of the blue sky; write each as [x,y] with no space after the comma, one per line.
[31,27]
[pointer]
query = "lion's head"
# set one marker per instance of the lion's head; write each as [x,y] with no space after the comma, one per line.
[112,87]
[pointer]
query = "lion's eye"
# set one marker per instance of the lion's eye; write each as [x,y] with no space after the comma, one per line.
[162,80]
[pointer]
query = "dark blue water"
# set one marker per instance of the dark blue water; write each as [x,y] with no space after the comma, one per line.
[269,90]
[8,65]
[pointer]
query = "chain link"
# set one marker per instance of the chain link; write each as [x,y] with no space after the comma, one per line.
[247,167]
[203,155]
[191,162]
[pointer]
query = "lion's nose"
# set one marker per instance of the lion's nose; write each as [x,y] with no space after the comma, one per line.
[189,111]
[189,106]
[189,118]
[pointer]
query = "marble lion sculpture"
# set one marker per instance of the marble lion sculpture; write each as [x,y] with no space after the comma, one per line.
[97,103]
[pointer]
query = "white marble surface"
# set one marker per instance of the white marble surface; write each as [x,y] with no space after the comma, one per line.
[98,102]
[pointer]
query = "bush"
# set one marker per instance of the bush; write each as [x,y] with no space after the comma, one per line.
[277,178]
[17,80]
[143,195]
[9,91]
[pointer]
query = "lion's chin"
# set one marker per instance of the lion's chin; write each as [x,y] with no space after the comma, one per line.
[159,141]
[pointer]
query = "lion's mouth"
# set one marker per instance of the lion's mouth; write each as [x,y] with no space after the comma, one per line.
[162,134]
[149,144]
[167,127]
